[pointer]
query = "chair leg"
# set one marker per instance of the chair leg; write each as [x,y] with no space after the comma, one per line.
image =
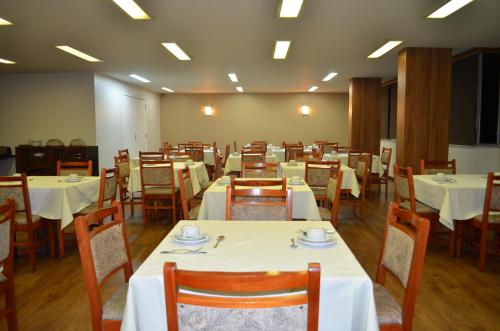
[32,250]
[459,228]
[144,215]
[482,249]
[10,300]
[51,229]
[60,239]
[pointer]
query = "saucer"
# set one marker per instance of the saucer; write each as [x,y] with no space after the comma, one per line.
[190,240]
[329,241]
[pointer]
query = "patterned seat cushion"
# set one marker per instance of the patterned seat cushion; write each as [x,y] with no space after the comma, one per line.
[325,213]
[388,310]
[193,318]
[159,190]
[113,309]
[318,190]
[492,218]
[259,212]
[421,208]
[21,218]
[193,213]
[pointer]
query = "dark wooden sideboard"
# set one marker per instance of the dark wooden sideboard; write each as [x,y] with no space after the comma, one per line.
[33,160]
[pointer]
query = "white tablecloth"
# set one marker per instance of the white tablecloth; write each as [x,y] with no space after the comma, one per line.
[213,206]
[234,162]
[377,167]
[53,198]
[198,173]
[349,180]
[346,292]
[459,200]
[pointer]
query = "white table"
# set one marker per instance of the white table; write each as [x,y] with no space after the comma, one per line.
[346,292]
[213,205]
[53,198]
[377,167]
[459,200]
[349,180]
[234,162]
[198,173]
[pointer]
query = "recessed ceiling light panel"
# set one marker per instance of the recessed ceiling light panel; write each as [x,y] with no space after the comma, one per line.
[239,88]
[233,77]
[176,51]
[5,61]
[290,8]
[167,89]
[449,8]
[3,21]
[384,49]
[77,53]
[281,49]
[313,88]
[329,76]
[132,9]
[139,78]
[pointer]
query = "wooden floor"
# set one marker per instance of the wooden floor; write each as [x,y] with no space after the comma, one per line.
[454,295]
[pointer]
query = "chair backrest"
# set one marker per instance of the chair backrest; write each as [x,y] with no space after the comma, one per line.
[327,148]
[196,152]
[343,149]
[284,143]
[259,146]
[259,170]
[16,188]
[385,159]
[123,153]
[402,254]
[82,168]
[179,156]
[259,142]
[491,197]
[318,172]
[293,151]
[7,211]
[77,142]
[103,252]
[55,142]
[156,173]
[122,167]
[333,189]
[217,163]
[363,167]
[256,204]
[253,156]
[150,155]
[226,154]
[236,287]
[434,167]
[107,187]
[258,182]
[186,191]
[308,156]
[404,189]
[235,146]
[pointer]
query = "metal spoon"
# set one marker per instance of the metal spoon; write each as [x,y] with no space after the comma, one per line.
[219,239]
[293,244]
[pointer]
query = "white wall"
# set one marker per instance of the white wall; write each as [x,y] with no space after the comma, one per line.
[470,159]
[41,106]
[112,101]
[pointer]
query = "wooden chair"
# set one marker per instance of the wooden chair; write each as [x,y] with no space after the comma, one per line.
[258,204]
[122,175]
[385,158]
[235,146]
[157,184]
[362,176]
[333,190]
[292,151]
[284,143]
[81,168]
[150,155]
[7,212]
[252,156]
[259,146]
[308,156]
[16,188]
[104,251]
[190,209]
[179,156]
[217,173]
[434,167]
[487,222]
[402,255]
[259,170]
[123,153]
[317,174]
[196,152]
[404,194]
[243,307]
[327,148]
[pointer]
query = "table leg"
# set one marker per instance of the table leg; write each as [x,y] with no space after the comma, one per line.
[60,238]
[459,229]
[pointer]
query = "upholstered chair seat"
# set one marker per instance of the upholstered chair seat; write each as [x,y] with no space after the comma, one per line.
[259,212]
[421,208]
[492,218]
[318,190]
[113,309]
[2,277]
[388,310]
[21,218]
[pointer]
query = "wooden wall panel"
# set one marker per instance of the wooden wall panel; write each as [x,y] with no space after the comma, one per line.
[364,114]
[423,111]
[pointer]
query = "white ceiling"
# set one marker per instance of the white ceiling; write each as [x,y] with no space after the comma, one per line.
[238,36]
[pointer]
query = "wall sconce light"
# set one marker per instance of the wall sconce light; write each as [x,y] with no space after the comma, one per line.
[209,111]
[305,110]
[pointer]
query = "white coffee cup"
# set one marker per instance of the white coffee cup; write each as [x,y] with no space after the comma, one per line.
[190,231]
[73,176]
[316,233]
[440,175]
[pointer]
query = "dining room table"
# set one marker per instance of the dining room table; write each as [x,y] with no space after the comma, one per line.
[377,167]
[233,162]
[198,173]
[213,205]
[346,300]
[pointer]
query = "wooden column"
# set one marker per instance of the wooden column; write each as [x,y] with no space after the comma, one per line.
[423,105]
[364,114]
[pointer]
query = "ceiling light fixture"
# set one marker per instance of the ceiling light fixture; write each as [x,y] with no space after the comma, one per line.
[3,21]
[132,9]
[290,8]
[176,51]
[384,49]
[77,53]
[208,110]
[239,88]
[313,88]
[142,79]
[305,110]
[329,76]
[5,61]
[167,89]
[281,49]
[232,77]
[449,8]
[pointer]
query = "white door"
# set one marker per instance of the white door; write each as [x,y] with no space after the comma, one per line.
[135,125]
